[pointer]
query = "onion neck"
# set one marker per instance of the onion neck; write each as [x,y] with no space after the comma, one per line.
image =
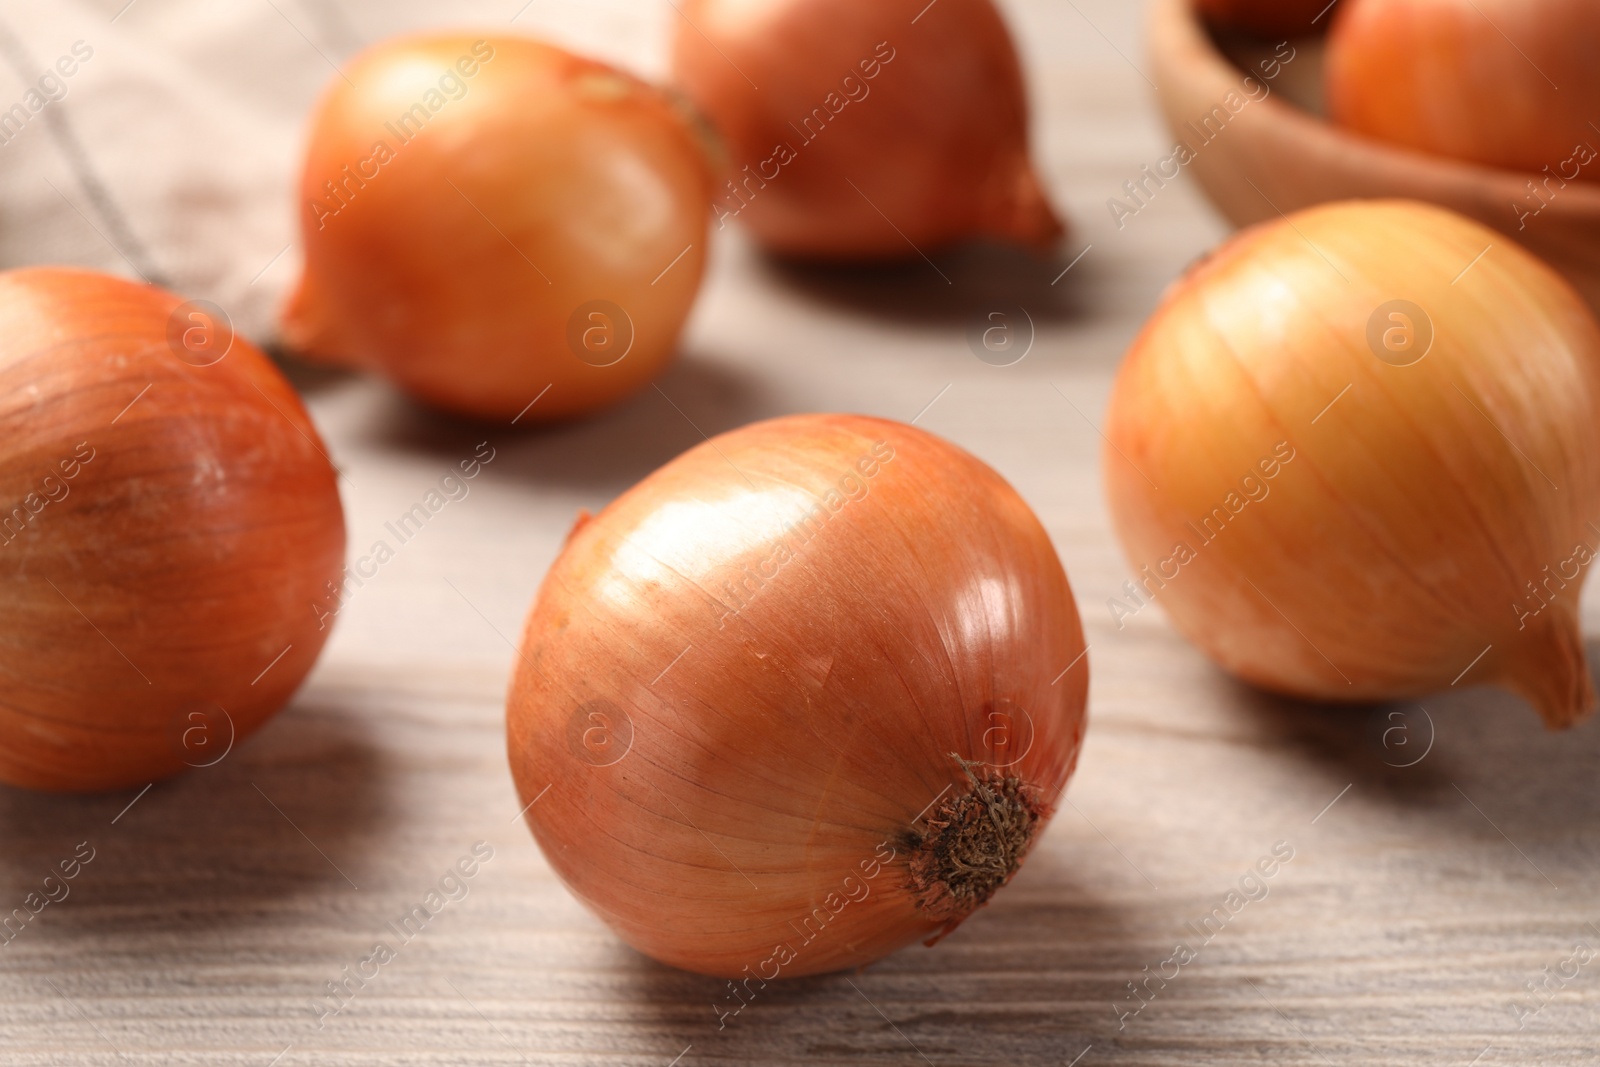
[310,333]
[1021,212]
[973,843]
[1546,665]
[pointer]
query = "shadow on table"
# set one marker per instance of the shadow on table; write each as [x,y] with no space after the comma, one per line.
[1037,968]
[1394,746]
[1430,756]
[607,452]
[961,285]
[286,814]
[308,378]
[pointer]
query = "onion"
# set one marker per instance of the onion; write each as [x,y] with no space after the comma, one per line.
[865,130]
[1507,83]
[805,694]
[1268,18]
[170,520]
[487,218]
[1355,457]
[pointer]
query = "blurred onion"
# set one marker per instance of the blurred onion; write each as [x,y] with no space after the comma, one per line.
[486,218]
[865,130]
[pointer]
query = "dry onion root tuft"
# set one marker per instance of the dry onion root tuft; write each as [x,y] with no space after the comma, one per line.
[1355,457]
[806,694]
[973,843]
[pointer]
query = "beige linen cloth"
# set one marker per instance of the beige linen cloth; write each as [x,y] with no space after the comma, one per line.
[163,138]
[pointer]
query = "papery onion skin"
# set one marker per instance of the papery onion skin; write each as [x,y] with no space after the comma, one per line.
[552,182]
[1398,550]
[936,145]
[1268,18]
[776,752]
[1504,83]
[161,606]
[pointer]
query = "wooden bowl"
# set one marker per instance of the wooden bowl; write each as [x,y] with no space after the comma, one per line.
[1276,155]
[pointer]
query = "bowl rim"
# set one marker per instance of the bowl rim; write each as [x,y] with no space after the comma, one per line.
[1177,33]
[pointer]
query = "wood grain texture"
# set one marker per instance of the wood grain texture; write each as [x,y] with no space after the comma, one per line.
[1415,908]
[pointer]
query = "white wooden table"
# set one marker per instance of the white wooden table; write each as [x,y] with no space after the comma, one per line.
[1419,901]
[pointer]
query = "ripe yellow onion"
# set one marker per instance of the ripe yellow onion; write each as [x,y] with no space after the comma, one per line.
[168,520]
[805,694]
[1355,457]
[865,130]
[486,218]
[1507,83]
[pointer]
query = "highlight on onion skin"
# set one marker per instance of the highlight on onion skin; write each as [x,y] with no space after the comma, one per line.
[865,131]
[802,696]
[1354,456]
[543,225]
[1504,83]
[170,521]
[1269,18]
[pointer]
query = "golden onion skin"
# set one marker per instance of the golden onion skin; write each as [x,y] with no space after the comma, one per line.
[1502,83]
[727,716]
[1397,549]
[541,224]
[162,604]
[865,131]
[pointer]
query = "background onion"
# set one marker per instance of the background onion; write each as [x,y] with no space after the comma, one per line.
[907,123]
[1506,83]
[545,226]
